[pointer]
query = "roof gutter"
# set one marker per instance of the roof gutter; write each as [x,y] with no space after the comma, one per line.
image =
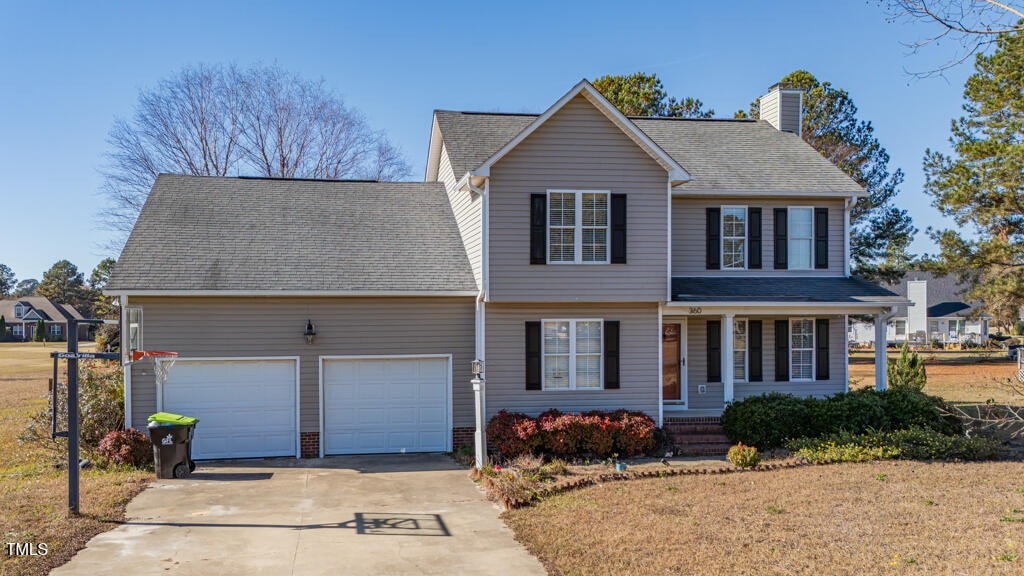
[295,293]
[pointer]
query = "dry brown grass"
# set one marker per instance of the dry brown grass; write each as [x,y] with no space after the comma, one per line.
[875,518]
[33,494]
[970,377]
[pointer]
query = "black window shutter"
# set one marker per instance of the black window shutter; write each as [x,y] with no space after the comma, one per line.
[533,379]
[714,351]
[755,356]
[713,238]
[618,229]
[754,238]
[538,229]
[821,349]
[611,354]
[782,350]
[821,238]
[781,239]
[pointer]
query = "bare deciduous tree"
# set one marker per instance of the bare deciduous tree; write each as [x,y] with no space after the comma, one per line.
[971,25]
[224,121]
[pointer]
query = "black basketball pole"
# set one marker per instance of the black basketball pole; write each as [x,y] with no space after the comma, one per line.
[73,416]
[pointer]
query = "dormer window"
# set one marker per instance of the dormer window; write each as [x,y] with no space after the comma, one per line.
[19,311]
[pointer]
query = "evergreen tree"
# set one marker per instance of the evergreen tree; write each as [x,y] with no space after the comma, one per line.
[3,328]
[907,371]
[40,332]
[641,94]
[981,184]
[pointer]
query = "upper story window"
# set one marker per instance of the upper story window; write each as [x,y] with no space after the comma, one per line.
[578,227]
[19,311]
[572,354]
[734,237]
[801,238]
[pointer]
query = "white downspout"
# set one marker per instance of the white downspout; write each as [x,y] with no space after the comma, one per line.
[127,369]
[847,206]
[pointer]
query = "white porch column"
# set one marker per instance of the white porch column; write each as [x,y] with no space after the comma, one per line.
[881,361]
[727,370]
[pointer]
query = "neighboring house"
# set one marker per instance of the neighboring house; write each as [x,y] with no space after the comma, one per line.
[21,315]
[936,314]
[590,260]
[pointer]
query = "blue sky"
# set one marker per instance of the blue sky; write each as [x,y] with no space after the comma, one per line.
[67,69]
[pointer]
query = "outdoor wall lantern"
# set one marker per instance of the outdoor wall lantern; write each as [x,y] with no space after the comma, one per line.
[476,367]
[310,332]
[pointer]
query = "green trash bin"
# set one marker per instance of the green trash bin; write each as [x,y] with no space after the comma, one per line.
[171,435]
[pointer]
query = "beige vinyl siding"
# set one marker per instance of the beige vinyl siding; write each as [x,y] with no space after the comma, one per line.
[254,327]
[689,235]
[577,149]
[769,108]
[639,340]
[698,367]
[467,208]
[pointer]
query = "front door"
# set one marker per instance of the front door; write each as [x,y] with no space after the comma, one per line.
[673,363]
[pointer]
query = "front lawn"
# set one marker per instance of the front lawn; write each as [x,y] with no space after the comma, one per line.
[873,518]
[33,494]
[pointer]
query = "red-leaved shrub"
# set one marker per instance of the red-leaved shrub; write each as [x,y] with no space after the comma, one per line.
[596,433]
[129,447]
[513,433]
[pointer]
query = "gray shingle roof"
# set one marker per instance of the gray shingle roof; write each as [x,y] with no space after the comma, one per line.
[720,155]
[48,309]
[473,137]
[258,234]
[778,289]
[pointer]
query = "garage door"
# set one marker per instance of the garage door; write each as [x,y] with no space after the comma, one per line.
[377,405]
[246,408]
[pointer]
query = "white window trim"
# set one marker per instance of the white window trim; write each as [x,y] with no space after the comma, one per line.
[746,350]
[577,249]
[17,330]
[721,236]
[789,237]
[814,351]
[572,354]
[126,336]
[54,329]
[19,311]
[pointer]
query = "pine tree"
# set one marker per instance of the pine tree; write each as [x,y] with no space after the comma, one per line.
[981,184]
[907,371]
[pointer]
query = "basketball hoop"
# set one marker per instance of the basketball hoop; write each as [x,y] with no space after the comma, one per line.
[162,362]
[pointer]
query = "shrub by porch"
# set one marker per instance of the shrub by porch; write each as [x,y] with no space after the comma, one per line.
[596,433]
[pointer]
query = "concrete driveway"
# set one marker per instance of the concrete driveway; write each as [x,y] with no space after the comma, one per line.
[401,514]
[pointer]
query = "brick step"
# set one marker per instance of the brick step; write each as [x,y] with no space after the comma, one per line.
[699,438]
[692,428]
[702,449]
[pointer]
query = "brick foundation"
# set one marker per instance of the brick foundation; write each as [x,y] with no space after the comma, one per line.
[309,442]
[462,437]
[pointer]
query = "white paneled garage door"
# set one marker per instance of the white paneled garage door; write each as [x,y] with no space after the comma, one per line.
[246,408]
[394,404]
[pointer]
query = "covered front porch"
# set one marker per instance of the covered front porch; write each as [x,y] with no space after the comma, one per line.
[761,335]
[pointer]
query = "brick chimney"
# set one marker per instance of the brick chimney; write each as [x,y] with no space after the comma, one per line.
[782,107]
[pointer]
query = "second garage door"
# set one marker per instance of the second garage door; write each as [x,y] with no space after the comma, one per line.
[393,404]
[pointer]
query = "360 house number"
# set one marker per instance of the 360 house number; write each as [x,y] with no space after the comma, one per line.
[696,310]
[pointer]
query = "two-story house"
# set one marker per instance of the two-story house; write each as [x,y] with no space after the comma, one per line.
[587,259]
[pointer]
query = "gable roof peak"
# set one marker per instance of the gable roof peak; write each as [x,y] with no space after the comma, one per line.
[677,174]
